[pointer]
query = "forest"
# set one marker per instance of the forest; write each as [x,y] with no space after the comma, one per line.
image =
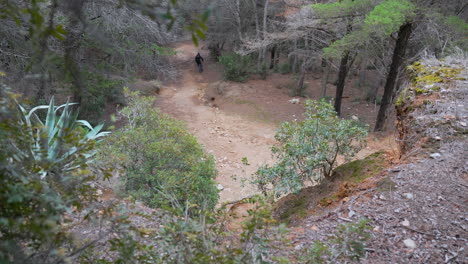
[309,132]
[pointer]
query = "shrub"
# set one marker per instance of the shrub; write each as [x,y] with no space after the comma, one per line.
[263,71]
[237,68]
[307,150]
[100,92]
[284,68]
[164,165]
[44,174]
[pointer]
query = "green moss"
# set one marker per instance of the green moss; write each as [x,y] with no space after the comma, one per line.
[359,170]
[345,179]
[424,79]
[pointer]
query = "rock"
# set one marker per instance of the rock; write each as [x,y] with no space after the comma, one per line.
[351,213]
[435,155]
[298,247]
[408,196]
[355,118]
[315,228]
[294,101]
[409,243]
[405,223]
[463,124]
[437,138]
[220,187]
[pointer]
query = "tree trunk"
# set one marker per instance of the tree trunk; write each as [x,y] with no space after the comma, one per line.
[264,29]
[238,20]
[300,83]
[323,92]
[404,34]
[341,81]
[272,61]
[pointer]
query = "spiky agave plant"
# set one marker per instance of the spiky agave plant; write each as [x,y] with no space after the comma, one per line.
[61,141]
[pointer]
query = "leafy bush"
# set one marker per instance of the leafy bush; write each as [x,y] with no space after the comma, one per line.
[205,240]
[237,68]
[308,149]
[101,91]
[284,68]
[164,165]
[44,174]
[263,71]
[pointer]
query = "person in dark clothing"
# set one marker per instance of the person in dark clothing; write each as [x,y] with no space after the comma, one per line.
[199,59]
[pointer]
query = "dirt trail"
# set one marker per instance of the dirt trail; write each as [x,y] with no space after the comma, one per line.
[228,136]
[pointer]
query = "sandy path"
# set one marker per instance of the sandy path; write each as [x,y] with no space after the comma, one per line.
[228,137]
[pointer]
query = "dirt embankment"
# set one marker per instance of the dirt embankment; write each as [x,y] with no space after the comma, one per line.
[418,209]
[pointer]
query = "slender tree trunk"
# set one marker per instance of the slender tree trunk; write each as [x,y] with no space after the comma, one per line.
[272,61]
[323,92]
[343,71]
[257,23]
[300,83]
[264,29]
[238,20]
[404,34]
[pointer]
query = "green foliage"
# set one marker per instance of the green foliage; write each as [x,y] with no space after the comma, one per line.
[44,173]
[388,16]
[347,244]
[100,92]
[51,137]
[308,149]
[237,68]
[284,68]
[341,8]
[199,240]
[382,21]
[263,71]
[164,165]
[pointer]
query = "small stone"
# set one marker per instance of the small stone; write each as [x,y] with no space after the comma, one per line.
[298,247]
[437,138]
[351,213]
[405,223]
[376,229]
[294,101]
[220,187]
[463,124]
[409,243]
[408,196]
[355,118]
[381,197]
[315,228]
[435,155]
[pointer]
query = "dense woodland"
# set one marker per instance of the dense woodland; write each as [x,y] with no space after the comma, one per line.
[70,129]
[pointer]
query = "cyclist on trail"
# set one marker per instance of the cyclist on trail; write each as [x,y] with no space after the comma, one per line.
[199,59]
